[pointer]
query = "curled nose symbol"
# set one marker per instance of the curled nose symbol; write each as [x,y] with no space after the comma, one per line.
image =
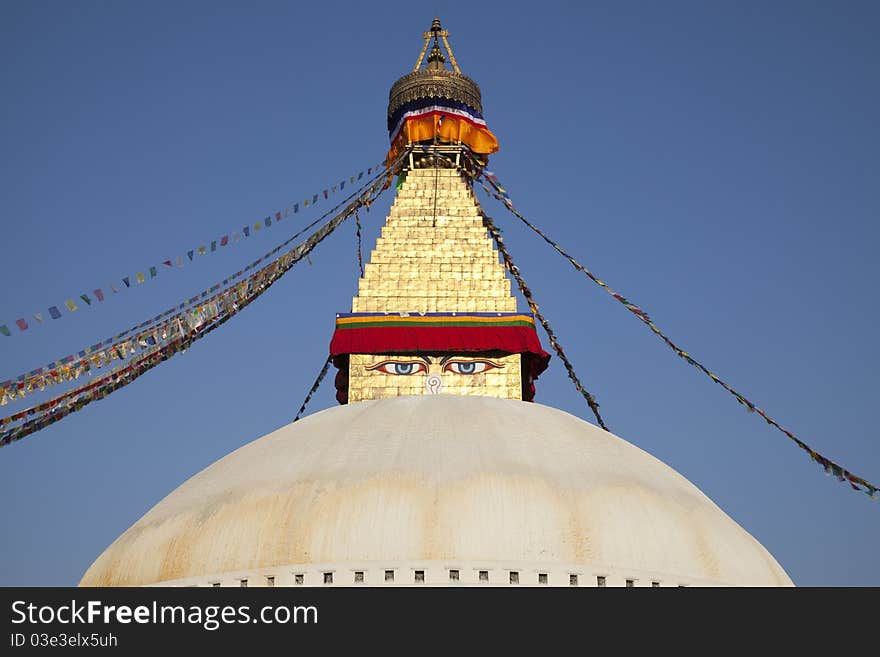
[433,384]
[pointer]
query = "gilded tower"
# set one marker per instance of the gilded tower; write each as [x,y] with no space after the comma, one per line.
[434,313]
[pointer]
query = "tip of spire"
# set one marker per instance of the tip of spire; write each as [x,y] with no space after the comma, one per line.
[436,60]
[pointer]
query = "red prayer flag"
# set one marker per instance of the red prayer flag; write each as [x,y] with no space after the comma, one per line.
[99,293]
[22,324]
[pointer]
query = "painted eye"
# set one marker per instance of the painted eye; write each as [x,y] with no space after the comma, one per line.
[469,366]
[399,367]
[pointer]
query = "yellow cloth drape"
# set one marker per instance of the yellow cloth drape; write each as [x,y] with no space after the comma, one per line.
[447,128]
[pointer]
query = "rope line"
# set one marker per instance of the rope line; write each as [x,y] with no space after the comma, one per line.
[225,308]
[527,293]
[832,468]
[314,387]
[174,262]
[72,367]
[357,218]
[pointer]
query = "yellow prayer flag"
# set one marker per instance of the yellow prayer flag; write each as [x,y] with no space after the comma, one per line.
[139,277]
[71,306]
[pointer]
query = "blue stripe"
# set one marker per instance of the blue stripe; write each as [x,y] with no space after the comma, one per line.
[422,103]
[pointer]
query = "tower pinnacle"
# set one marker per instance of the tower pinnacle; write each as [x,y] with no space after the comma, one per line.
[435,105]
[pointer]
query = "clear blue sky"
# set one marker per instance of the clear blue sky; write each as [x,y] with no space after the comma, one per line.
[715,162]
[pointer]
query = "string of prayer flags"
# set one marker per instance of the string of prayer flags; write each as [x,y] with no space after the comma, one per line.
[141,276]
[314,388]
[199,322]
[194,311]
[830,467]
[533,306]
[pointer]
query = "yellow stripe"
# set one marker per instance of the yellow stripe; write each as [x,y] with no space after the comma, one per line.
[419,318]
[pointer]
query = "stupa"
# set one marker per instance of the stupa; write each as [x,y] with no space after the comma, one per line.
[438,468]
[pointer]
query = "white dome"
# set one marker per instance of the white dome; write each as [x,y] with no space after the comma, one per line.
[436,484]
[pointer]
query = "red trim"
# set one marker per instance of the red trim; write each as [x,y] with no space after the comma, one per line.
[399,339]
[427,339]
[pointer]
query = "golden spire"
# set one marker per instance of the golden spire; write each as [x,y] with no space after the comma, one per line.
[437,32]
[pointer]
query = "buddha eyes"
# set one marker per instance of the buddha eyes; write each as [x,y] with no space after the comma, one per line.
[469,366]
[406,368]
[399,367]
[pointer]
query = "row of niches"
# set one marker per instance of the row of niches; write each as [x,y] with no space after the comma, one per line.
[417,174]
[449,576]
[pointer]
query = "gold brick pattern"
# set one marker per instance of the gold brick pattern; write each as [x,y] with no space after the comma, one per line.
[427,261]
[504,382]
[434,255]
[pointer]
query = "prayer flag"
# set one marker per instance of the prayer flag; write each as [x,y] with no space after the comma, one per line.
[71,306]
[341,185]
[22,324]
[268,221]
[85,297]
[202,250]
[190,254]
[314,199]
[139,277]
[179,261]
[306,203]
[224,240]
[168,262]
[278,215]
[99,293]
[360,175]
[114,288]
[54,312]
[246,230]
[325,193]
[213,245]
[38,317]
[126,281]
[257,226]
[152,272]
[5,330]
[296,207]
[351,180]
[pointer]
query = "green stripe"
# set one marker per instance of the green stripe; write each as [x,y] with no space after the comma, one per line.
[460,323]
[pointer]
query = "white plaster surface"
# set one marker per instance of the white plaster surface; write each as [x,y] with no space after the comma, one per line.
[436,483]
